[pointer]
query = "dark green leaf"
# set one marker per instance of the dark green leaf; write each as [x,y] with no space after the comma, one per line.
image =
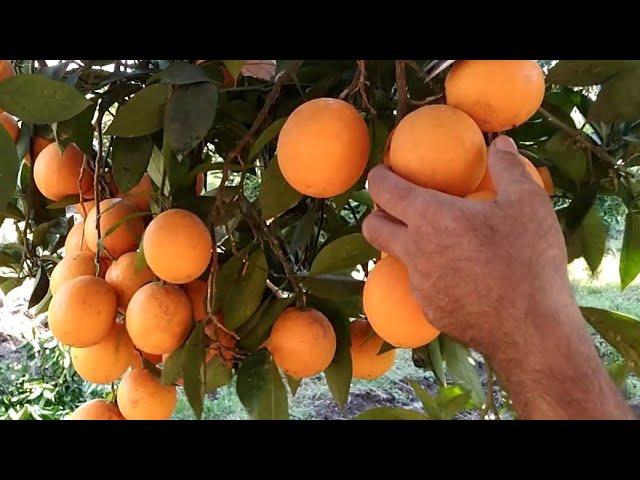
[142,115]
[363,198]
[619,372]
[266,136]
[276,195]
[260,388]
[217,374]
[341,201]
[333,287]
[40,289]
[338,373]
[172,367]
[189,115]
[234,67]
[582,73]
[130,159]
[254,332]
[37,99]
[390,413]
[429,403]
[193,369]
[630,253]
[293,383]
[594,237]
[246,290]
[181,73]
[9,166]
[437,363]
[567,157]
[621,331]
[78,130]
[43,306]
[386,347]
[458,360]
[619,98]
[378,132]
[23,145]
[40,232]
[304,230]
[65,202]
[345,252]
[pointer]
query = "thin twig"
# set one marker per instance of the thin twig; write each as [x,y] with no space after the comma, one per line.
[96,191]
[403,98]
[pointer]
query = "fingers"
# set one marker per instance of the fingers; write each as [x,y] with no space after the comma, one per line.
[401,198]
[506,169]
[384,232]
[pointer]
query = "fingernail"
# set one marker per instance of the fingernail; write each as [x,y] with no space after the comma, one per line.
[505,143]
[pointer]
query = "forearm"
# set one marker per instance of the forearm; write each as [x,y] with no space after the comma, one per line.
[555,373]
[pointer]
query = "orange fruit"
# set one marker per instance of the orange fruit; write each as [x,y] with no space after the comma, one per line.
[37,145]
[83,311]
[84,208]
[439,147]
[70,267]
[497,94]
[547,181]
[105,362]
[159,318]
[75,241]
[487,185]
[56,174]
[10,125]
[482,195]
[126,236]
[141,396]
[140,195]
[6,70]
[365,345]
[197,293]
[125,280]
[302,342]
[392,310]
[323,147]
[96,410]
[177,246]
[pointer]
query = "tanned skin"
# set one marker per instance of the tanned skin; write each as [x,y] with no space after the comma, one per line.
[493,274]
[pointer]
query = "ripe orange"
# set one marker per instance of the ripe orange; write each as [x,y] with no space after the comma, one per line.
[83,311]
[547,181]
[197,293]
[391,308]
[302,342]
[177,246]
[37,145]
[323,147]
[96,410]
[75,241]
[126,236]
[140,194]
[10,125]
[365,345]
[106,361]
[158,318]
[141,396]
[486,184]
[439,147]
[497,94]
[125,280]
[84,208]
[6,70]
[70,267]
[56,174]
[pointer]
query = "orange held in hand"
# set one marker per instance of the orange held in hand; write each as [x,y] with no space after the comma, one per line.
[393,312]
[439,147]
[83,311]
[96,410]
[486,184]
[323,147]
[365,345]
[56,174]
[302,342]
[177,246]
[497,94]
[119,215]
[141,396]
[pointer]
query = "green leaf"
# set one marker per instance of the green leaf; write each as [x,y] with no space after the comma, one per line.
[594,237]
[452,400]
[142,115]
[193,369]
[428,401]
[9,283]
[40,289]
[130,159]
[254,332]
[234,67]
[619,99]
[457,358]
[341,201]
[276,195]
[23,145]
[246,290]
[338,374]
[40,232]
[345,252]
[437,363]
[630,253]
[378,132]
[216,374]
[386,347]
[43,306]
[569,158]
[333,287]
[172,367]
[582,73]
[390,413]
[363,198]
[78,130]
[37,99]
[293,383]
[266,136]
[181,73]
[9,166]
[619,372]
[621,331]
[65,202]
[189,115]
[140,262]
[304,230]
[260,388]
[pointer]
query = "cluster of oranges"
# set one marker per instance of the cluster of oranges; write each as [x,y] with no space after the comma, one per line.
[323,150]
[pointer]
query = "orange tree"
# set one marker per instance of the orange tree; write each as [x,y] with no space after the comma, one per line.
[201,136]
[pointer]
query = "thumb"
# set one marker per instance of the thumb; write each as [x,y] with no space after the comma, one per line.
[505,167]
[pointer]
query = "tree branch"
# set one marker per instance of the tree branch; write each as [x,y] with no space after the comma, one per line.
[403,98]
